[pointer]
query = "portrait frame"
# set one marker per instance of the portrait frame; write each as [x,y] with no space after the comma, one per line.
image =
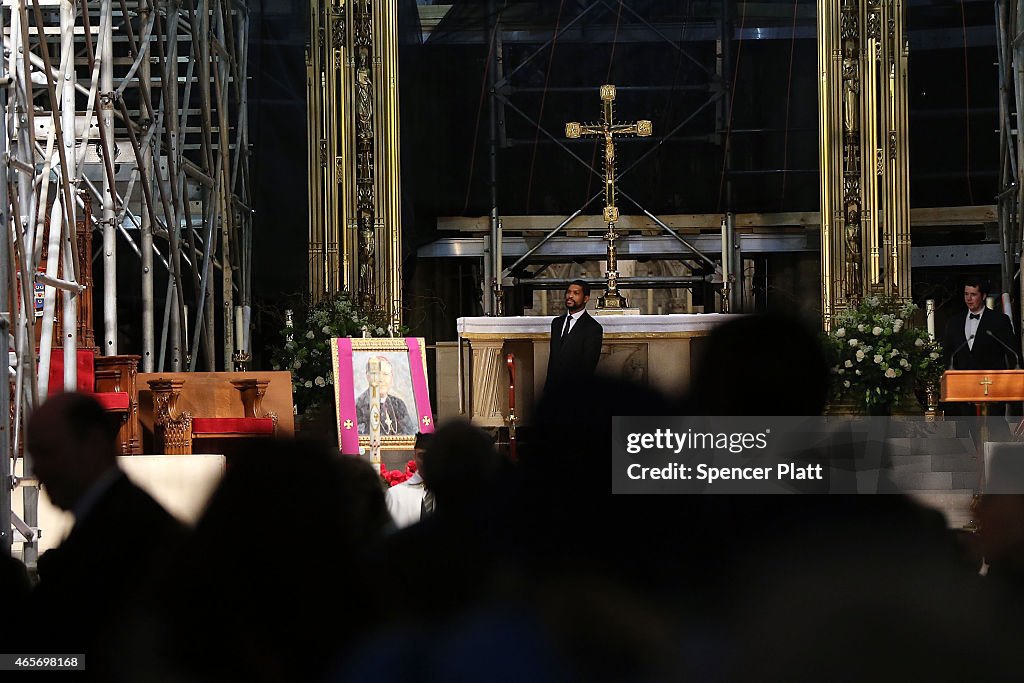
[408,358]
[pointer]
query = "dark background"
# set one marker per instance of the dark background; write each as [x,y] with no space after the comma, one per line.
[769,122]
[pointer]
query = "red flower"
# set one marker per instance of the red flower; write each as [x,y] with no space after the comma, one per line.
[393,477]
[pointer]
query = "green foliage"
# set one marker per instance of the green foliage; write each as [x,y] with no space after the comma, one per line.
[306,351]
[877,355]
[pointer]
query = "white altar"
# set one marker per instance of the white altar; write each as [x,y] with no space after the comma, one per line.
[658,350]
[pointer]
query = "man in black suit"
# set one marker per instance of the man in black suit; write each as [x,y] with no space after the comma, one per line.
[119,533]
[972,342]
[575,337]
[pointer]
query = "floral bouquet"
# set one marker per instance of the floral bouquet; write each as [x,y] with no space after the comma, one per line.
[877,356]
[307,348]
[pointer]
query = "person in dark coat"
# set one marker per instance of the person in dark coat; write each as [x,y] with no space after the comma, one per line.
[118,536]
[971,340]
[980,339]
[575,338]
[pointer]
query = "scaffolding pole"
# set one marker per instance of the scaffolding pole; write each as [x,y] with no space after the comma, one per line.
[1009,21]
[136,107]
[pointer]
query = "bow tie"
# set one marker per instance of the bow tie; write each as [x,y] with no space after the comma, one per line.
[975,316]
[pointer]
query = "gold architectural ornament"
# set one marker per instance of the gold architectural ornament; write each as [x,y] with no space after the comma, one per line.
[354,188]
[608,129]
[172,427]
[863,152]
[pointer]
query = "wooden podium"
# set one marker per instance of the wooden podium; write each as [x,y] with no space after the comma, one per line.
[982,386]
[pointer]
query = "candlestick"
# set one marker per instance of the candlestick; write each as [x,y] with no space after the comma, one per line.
[929,309]
[239,329]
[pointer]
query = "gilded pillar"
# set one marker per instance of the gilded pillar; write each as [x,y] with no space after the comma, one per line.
[355,193]
[862,121]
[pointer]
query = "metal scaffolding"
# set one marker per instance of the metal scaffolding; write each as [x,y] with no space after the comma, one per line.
[129,116]
[1010,200]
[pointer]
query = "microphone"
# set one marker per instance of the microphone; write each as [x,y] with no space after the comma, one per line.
[1016,358]
[958,350]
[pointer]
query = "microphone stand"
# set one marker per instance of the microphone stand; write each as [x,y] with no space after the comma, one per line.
[1016,358]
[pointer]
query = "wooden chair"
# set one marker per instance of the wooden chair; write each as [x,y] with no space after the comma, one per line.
[111,380]
[177,430]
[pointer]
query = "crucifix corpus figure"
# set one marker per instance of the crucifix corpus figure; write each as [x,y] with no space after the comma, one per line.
[608,129]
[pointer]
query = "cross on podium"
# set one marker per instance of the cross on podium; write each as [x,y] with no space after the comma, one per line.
[607,129]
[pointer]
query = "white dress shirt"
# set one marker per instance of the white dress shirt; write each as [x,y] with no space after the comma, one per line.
[971,327]
[573,317]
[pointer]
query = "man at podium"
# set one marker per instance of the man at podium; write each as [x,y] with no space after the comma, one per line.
[980,339]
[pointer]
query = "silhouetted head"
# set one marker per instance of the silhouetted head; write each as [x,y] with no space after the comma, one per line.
[73,442]
[459,462]
[423,441]
[770,364]
[570,435]
[272,579]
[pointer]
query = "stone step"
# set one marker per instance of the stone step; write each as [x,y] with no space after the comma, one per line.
[931,463]
[934,481]
[921,429]
[955,505]
[930,446]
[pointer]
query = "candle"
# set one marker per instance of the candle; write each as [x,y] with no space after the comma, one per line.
[185,323]
[239,330]
[725,255]
[246,326]
[929,309]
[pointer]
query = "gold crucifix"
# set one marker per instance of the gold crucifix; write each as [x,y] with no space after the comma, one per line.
[986,383]
[608,129]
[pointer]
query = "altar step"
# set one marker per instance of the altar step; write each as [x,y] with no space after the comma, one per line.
[935,464]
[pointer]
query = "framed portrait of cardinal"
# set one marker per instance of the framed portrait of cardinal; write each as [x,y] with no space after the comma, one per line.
[389,374]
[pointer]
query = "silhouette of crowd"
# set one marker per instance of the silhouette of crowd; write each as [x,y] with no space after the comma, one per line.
[525,571]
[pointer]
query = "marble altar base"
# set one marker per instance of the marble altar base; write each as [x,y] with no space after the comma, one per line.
[657,350]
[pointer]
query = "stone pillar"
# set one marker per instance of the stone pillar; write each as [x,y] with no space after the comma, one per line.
[355,192]
[863,152]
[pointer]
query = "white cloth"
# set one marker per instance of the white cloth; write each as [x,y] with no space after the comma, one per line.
[971,327]
[404,501]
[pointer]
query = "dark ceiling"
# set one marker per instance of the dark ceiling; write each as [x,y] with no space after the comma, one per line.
[746,141]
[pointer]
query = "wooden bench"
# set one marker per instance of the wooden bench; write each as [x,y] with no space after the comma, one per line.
[190,412]
[111,380]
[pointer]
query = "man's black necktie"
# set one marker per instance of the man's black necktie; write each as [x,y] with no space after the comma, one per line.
[568,319]
[975,316]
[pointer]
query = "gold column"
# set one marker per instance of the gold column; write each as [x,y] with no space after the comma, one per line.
[327,101]
[865,203]
[354,173]
[388,178]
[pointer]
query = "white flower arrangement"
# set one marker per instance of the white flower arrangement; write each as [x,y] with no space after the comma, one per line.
[901,354]
[307,347]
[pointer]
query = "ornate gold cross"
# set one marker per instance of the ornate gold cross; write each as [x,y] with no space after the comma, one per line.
[608,129]
[986,383]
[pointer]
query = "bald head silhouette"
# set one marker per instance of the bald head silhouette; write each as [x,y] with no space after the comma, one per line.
[73,442]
